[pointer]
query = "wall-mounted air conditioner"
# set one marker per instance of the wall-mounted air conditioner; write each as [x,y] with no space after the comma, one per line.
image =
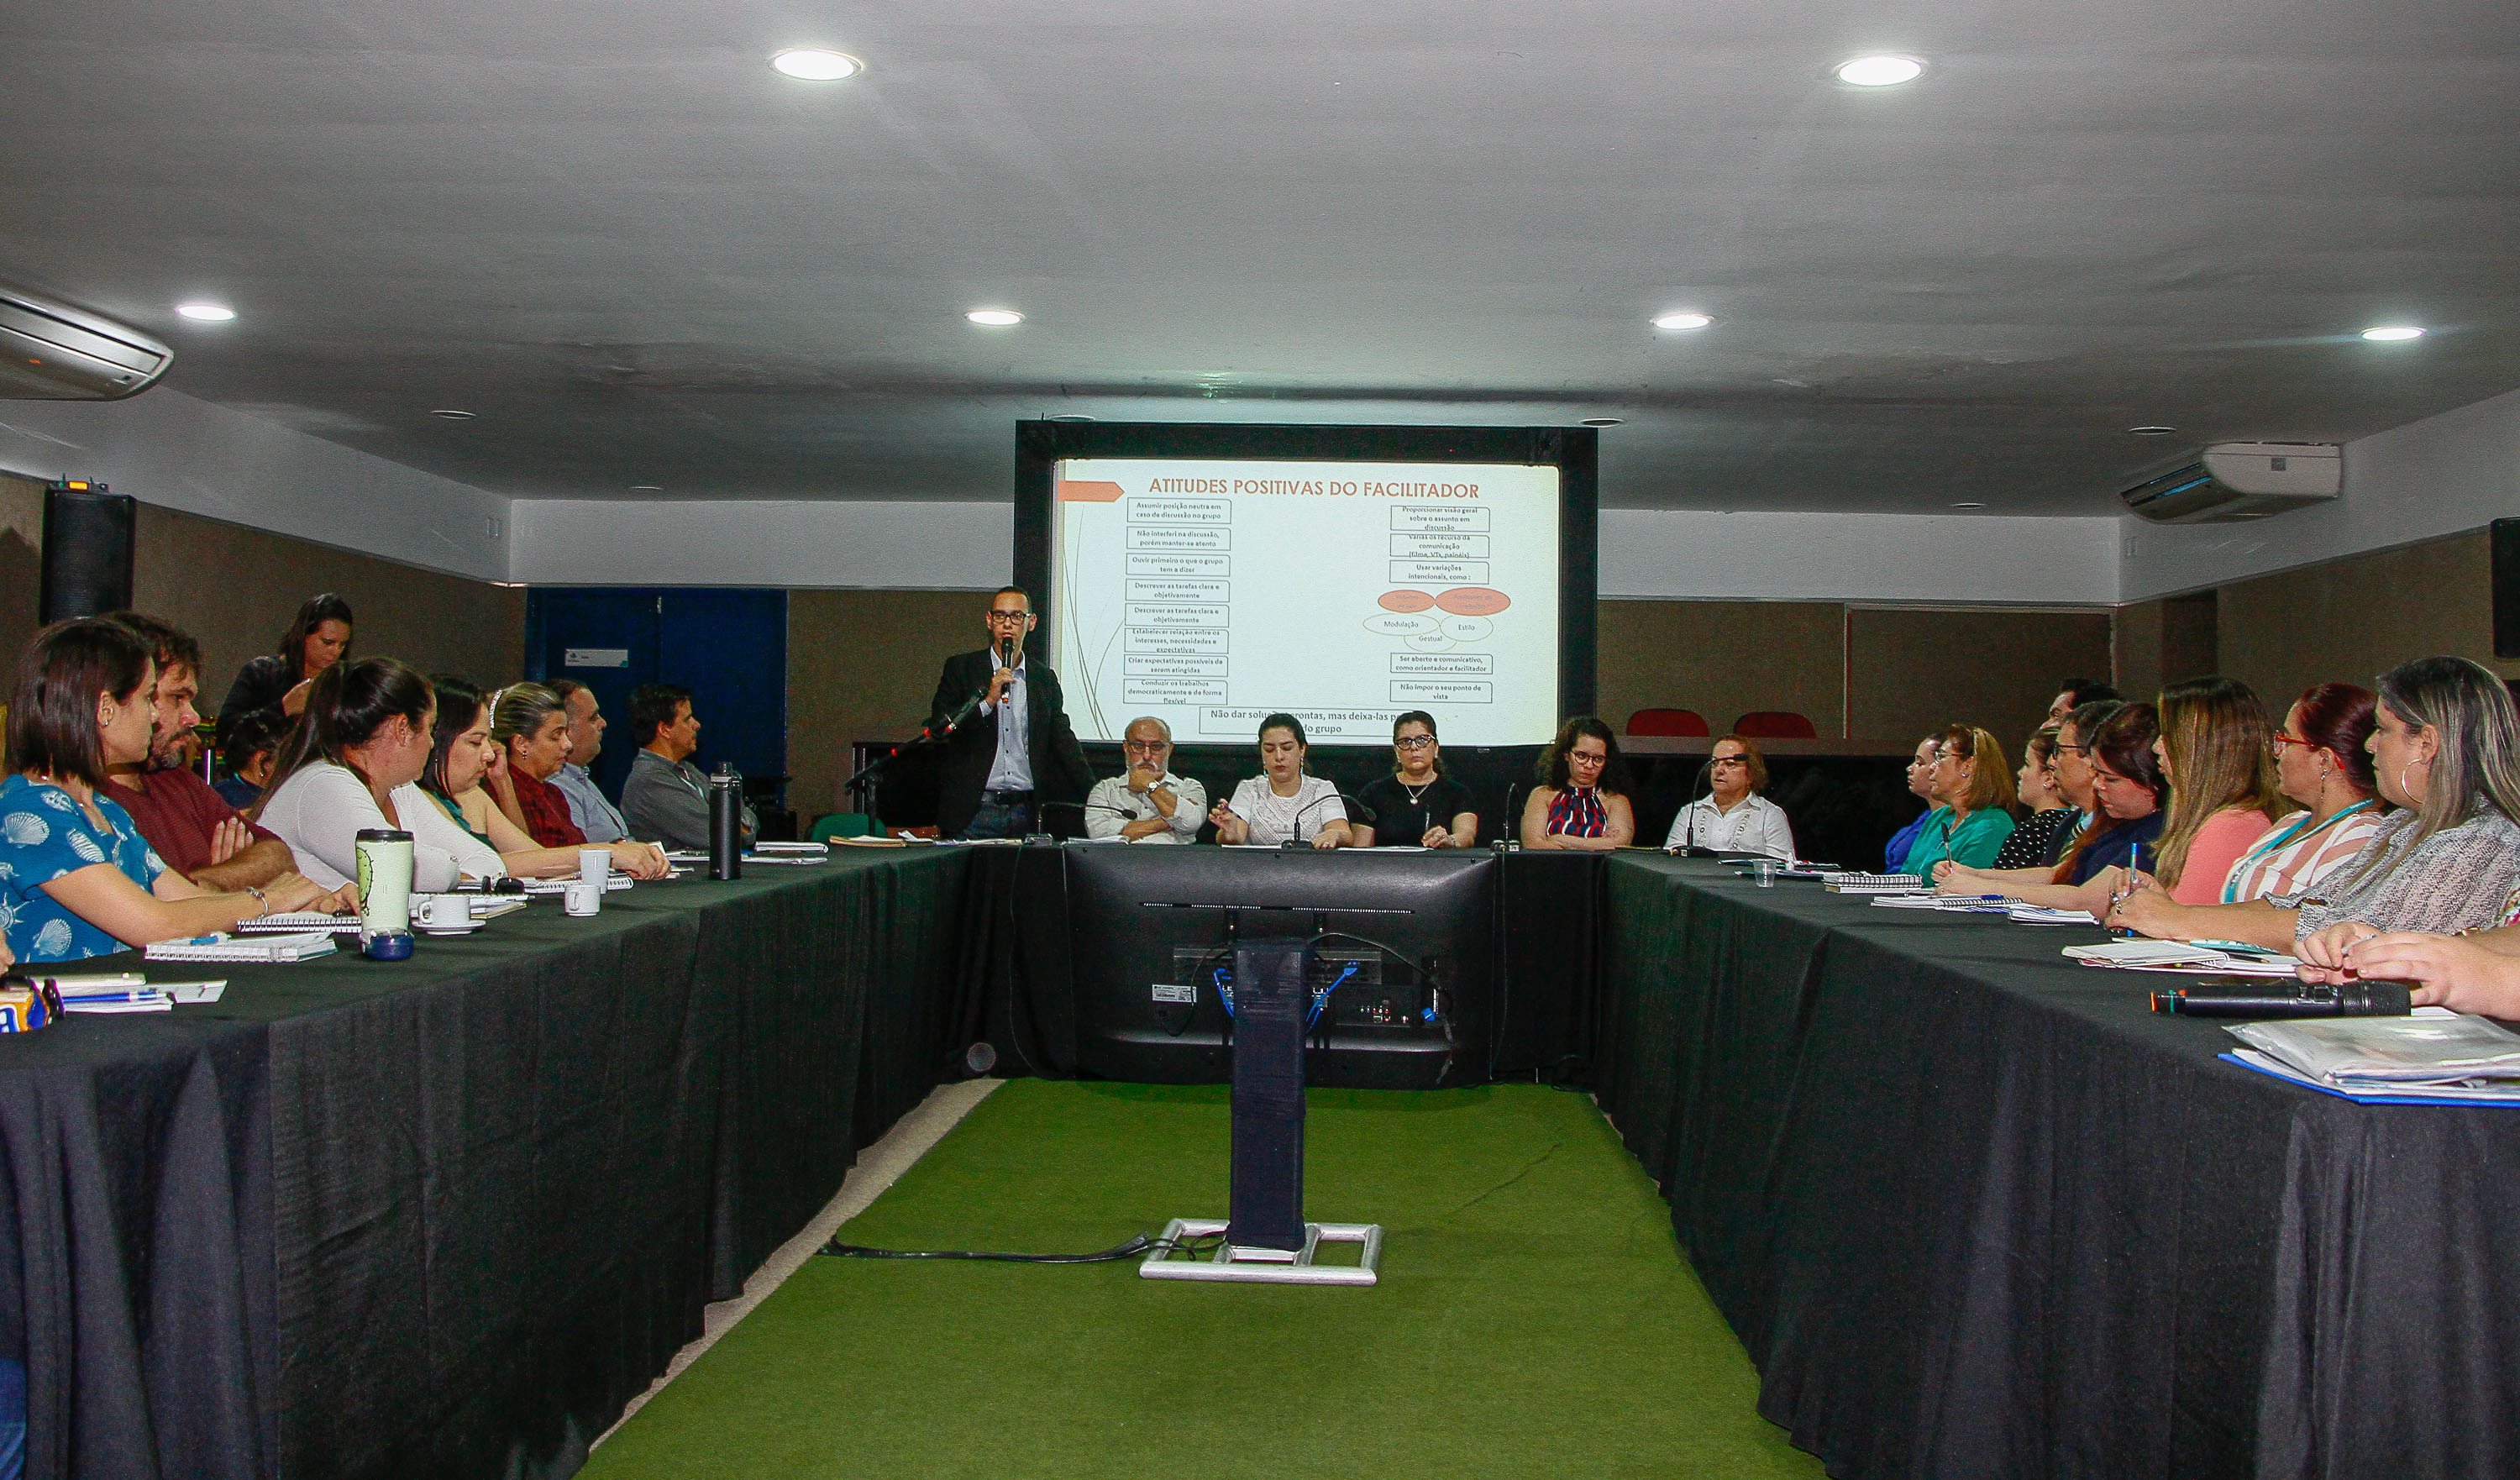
[50,351]
[2240,480]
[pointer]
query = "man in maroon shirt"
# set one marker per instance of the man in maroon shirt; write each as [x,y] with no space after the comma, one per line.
[190,826]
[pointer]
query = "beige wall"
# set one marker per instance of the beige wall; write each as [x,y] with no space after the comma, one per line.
[1915,671]
[1723,659]
[236,589]
[22,562]
[863,665]
[2348,619]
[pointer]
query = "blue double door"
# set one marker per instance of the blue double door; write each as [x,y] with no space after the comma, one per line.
[728,646]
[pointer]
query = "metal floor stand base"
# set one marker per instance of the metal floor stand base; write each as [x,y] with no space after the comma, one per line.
[1268,1266]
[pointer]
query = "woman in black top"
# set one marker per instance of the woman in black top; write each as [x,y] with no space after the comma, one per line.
[1418,805]
[275,682]
[2044,835]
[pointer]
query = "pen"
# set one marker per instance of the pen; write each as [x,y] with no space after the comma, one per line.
[135,994]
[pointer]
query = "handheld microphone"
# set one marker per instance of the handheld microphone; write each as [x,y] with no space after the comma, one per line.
[2265,997]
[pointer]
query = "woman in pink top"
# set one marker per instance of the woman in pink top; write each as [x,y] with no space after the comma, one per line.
[2217,749]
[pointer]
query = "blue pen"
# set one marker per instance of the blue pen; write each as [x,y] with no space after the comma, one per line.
[137,993]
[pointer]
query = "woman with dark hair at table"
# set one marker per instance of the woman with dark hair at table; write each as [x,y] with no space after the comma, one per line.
[1281,804]
[77,878]
[463,755]
[365,735]
[277,682]
[2040,837]
[1418,805]
[1973,819]
[1582,800]
[2323,761]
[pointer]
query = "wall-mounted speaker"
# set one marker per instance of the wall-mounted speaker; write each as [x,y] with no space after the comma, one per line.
[88,551]
[2507,588]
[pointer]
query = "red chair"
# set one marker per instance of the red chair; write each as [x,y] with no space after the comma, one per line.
[1775,724]
[1667,722]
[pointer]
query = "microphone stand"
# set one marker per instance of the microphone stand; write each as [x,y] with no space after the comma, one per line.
[1335,795]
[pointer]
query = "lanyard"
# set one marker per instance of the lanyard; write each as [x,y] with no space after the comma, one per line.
[2285,838]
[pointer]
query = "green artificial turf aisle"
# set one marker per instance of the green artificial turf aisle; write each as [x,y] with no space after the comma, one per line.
[1535,1316]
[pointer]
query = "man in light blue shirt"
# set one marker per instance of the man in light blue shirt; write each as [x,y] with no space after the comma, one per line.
[595,816]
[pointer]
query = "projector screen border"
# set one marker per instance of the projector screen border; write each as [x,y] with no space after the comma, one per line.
[1574,451]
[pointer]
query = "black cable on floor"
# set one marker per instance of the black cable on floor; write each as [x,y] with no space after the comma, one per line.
[1143,1244]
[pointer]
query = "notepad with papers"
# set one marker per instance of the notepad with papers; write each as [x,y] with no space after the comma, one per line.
[268,949]
[2183,956]
[1874,883]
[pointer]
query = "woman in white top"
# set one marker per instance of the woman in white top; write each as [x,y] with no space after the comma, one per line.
[364,734]
[2322,762]
[1734,818]
[465,757]
[1282,804]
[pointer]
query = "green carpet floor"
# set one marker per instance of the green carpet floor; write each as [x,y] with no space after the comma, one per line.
[1535,1316]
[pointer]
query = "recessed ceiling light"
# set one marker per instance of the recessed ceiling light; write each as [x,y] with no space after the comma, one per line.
[996,318]
[1682,321]
[814,66]
[647,488]
[2388,334]
[453,416]
[1071,416]
[1968,506]
[1603,420]
[1879,71]
[208,313]
[2150,431]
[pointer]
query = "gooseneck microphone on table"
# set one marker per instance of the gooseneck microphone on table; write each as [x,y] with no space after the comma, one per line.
[1302,841]
[2275,997]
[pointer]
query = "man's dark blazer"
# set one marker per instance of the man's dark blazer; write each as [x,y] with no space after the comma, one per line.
[1059,773]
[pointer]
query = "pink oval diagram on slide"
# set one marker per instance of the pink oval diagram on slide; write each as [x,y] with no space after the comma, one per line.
[1406,600]
[1474,601]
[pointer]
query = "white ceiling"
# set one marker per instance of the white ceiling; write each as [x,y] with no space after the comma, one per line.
[645,258]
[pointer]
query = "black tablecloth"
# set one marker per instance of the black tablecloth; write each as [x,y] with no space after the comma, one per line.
[445,1216]
[1975,1211]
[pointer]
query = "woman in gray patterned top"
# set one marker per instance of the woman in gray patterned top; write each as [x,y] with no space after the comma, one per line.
[2446,752]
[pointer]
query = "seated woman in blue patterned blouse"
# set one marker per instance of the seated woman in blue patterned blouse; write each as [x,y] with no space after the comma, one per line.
[76,879]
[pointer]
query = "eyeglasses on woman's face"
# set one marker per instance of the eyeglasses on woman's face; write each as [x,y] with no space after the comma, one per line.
[1413,742]
[2276,742]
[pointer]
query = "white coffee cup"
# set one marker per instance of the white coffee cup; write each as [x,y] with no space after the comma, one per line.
[595,866]
[446,912]
[581,897]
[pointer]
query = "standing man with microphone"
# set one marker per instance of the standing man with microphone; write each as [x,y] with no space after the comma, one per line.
[1008,746]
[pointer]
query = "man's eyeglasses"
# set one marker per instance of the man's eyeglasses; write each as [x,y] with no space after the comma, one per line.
[1722,761]
[1144,748]
[1413,742]
[1009,617]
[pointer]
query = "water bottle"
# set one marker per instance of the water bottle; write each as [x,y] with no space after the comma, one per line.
[726,823]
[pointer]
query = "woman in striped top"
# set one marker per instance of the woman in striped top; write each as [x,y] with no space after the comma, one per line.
[2322,761]
[1582,800]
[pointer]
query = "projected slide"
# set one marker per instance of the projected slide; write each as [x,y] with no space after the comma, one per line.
[1211,593]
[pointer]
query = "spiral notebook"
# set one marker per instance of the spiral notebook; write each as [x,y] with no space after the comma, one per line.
[271,949]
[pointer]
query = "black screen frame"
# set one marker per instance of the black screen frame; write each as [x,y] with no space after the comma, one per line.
[1574,451]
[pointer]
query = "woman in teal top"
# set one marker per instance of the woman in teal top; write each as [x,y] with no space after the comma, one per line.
[1971,821]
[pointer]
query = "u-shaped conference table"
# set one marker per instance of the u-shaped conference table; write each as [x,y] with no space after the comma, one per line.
[1973,1209]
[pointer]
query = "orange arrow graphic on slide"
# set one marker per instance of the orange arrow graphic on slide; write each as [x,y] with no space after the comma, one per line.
[1073,492]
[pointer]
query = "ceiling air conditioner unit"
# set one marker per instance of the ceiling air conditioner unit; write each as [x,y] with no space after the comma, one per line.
[50,351]
[2240,480]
